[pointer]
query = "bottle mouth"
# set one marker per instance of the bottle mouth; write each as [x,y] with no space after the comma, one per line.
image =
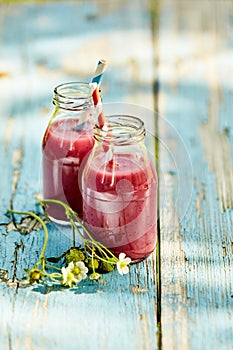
[120,130]
[72,96]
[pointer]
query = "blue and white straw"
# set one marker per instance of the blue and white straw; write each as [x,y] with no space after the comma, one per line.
[97,78]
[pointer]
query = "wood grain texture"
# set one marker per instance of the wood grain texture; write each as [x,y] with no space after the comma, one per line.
[196,252]
[42,45]
[186,62]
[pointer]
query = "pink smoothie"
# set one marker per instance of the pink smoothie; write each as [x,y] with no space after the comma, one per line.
[119,204]
[64,148]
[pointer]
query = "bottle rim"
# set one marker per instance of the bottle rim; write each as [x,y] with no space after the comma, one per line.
[72,95]
[120,130]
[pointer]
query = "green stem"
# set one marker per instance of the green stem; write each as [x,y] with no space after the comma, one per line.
[46,233]
[73,236]
[101,248]
[70,213]
[106,260]
[55,276]
[92,261]
[53,267]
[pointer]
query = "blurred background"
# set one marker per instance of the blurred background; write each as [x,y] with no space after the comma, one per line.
[170,56]
[174,57]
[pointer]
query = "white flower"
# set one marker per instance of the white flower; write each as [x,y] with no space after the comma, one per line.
[68,277]
[122,264]
[74,273]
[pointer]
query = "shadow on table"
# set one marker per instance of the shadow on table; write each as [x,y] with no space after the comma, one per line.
[84,287]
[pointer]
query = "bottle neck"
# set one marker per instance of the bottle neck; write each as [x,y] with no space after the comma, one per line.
[120,130]
[74,96]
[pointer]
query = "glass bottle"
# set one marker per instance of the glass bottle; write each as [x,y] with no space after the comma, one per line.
[119,188]
[67,140]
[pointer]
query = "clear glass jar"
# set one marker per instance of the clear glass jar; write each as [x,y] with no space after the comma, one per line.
[119,188]
[67,140]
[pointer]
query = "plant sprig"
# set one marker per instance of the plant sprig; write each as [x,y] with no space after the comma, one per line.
[79,261]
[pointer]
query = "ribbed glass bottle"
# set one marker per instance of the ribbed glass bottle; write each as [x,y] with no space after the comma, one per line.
[67,140]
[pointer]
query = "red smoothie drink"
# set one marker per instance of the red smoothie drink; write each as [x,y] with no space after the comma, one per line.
[64,147]
[120,203]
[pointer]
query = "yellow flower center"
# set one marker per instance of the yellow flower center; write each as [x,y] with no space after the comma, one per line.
[76,270]
[70,276]
[123,264]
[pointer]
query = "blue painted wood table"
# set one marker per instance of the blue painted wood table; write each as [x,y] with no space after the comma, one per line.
[172,57]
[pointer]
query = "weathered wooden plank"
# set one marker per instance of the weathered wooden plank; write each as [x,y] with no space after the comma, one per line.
[53,43]
[196,252]
[91,316]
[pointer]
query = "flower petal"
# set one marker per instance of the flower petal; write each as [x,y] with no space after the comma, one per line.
[122,256]
[71,265]
[125,270]
[82,266]
[119,268]
[79,264]
[79,278]
[64,274]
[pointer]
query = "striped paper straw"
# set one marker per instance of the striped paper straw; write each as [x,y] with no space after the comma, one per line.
[109,159]
[97,78]
[96,81]
[94,85]
[97,103]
